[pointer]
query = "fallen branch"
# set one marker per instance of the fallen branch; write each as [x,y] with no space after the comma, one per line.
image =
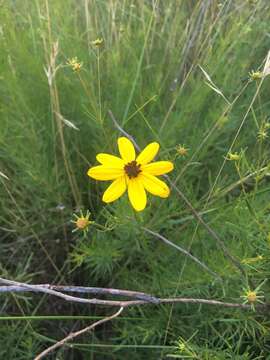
[15,286]
[76,289]
[48,289]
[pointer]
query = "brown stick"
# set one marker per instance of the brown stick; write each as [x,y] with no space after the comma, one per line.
[148,299]
[73,335]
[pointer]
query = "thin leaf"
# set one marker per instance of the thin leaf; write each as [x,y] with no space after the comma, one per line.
[66,121]
[4,176]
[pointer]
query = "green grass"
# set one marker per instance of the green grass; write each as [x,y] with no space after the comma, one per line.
[148,74]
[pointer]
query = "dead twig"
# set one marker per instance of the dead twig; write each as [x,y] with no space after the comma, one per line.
[185,252]
[73,335]
[145,300]
[76,289]
[48,289]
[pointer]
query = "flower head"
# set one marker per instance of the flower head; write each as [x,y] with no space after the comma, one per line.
[262,135]
[263,131]
[134,174]
[255,75]
[181,150]
[75,64]
[98,42]
[82,222]
[233,156]
[253,296]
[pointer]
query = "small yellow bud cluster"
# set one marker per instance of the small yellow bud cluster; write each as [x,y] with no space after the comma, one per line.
[182,347]
[75,64]
[251,297]
[263,132]
[255,75]
[262,135]
[233,156]
[98,42]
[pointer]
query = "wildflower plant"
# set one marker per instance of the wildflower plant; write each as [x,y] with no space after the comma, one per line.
[134,174]
[44,158]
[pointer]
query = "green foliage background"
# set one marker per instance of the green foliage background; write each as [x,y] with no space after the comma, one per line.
[148,74]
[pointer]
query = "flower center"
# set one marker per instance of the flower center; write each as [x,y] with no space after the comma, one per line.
[132,169]
[82,223]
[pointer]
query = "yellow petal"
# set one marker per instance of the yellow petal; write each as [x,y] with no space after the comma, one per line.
[115,190]
[102,172]
[154,185]
[126,149]
[158,167]
[110,161]
[136,194]
[148,153]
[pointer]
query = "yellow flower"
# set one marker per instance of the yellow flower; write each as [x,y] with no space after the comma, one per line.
[131,173]
[97,43]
